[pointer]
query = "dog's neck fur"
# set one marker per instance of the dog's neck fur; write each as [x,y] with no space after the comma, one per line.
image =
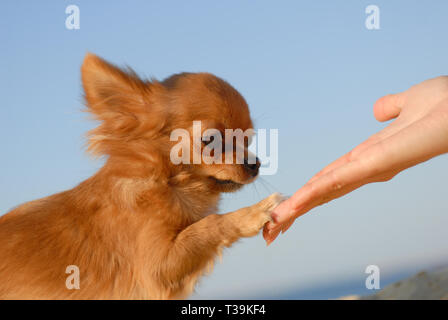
[143,189]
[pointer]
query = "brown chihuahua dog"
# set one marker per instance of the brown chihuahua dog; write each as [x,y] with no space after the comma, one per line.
[142,227]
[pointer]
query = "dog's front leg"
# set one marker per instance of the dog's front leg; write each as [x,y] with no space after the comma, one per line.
[196,246]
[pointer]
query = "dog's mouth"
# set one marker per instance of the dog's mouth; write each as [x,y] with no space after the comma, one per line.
[226,182]
[226,185]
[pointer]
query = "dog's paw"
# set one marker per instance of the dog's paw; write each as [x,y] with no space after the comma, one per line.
[253,218]
[270,203]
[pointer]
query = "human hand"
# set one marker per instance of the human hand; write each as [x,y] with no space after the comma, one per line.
[419,133]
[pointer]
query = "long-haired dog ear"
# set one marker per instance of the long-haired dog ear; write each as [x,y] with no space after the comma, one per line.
[119,99]
[109,89]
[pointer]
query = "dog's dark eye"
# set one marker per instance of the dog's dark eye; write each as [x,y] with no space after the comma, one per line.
[207,140]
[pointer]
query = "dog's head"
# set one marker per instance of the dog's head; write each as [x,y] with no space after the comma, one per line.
[189,125]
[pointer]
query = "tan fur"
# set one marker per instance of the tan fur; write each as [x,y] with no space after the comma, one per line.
[141,227]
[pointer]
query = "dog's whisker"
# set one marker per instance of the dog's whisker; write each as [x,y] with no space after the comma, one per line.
[262,116]
[256,190]
[266,185]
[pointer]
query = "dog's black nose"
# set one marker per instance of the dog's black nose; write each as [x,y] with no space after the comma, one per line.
[252,168]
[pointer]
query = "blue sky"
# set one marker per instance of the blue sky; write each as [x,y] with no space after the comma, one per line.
[308,68]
